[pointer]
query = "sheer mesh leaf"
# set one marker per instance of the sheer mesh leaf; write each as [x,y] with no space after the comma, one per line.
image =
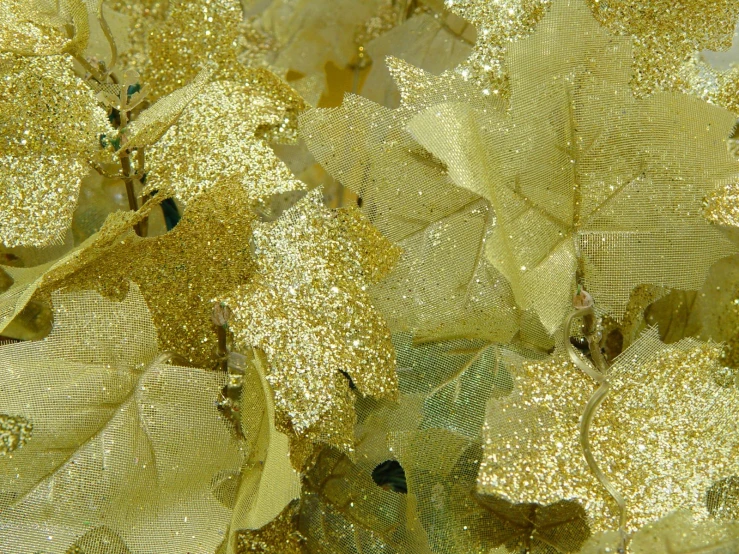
[220,134]
[307,308]
[456,378]
[121,440]
[153,122]
[443,287]
[441,469]
[268,482]
[50,125]
[344,511]
[583,177]
[428,41]
[663,435]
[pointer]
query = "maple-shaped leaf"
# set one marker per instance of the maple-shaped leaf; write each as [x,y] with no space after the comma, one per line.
[50,123]
[456,379]
[222,133]
[443,286]
[124,444]
[307,309]
[343,509]
[663,436]
[584,179]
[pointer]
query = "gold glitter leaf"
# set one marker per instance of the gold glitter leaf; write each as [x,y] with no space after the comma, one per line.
[280,536]
[120,436]
[22,31]
[194,34]
[50,124]
[153,122]
[307,308]
[664,435]
[583,178]
[219,134]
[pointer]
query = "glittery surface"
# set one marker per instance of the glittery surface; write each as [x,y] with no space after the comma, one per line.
[663,435]
[50,122]
[179,273]
[221,134]
[14,433]
[21,33]
[280,536]
[195,33]
[721,205]
[583,177]
[143,15]
[666,34]
[307,308]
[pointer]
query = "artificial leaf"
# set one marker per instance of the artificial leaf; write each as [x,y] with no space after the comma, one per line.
[441,467]
[443,286]
[153,122]
[123,443]
[343,510]
[22,31]
[179,273]
[663,435]
[583,178]
[221,134]
[280,536]
[455,377]
[307,309]
[268,482]
[195,33]
[50,124]
[142,16]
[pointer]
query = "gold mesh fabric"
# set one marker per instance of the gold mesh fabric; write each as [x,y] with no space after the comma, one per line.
[124,446]
[661,449]
[443,287]
[581,176]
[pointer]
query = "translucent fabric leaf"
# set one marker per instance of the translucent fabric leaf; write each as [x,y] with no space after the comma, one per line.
[121,439]
[221,134]
[179,273]
[153,122]
[663,435]
[677,532]
[455,377]
[50,124]
[443,286]
[428,41]
[343,511]
[268,481]
[583,178]
[441,468]
[195,33]
[280,536]
[307,309]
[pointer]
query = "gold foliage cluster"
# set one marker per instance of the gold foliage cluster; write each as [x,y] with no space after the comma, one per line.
[387,276]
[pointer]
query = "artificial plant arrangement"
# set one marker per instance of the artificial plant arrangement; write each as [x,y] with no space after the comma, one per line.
[343,276]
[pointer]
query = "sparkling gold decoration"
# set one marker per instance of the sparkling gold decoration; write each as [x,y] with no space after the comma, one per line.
[220,134]
[50,125]
[14,432]
[307,308]
[195,33]
[280,536]
[663,435]
[582,176]
[142,16]
[179,273]
[121,437]
[22,31]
